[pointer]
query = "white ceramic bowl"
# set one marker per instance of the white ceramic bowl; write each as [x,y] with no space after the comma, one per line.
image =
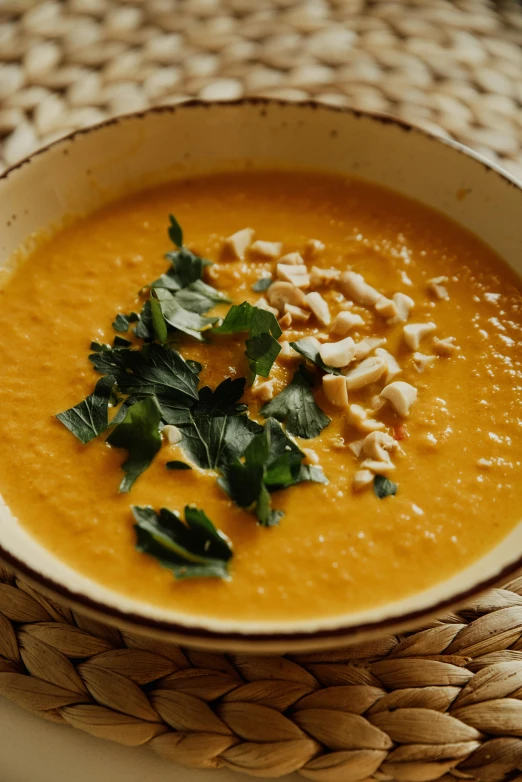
[91,167]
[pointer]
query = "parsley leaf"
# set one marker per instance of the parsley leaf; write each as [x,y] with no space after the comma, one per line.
[122,322]
[175,232]
[307,347]
[191,549]
[262,284]
[178,317]
[139,434]
[383,487]
[262,347]
[296,405]
[121,342]
[187,267]
[158,321]
[177,465]
[89,418]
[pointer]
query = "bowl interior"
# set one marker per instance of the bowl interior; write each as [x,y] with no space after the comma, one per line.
[84,171]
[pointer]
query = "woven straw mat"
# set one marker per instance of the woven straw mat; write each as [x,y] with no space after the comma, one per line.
[441,703]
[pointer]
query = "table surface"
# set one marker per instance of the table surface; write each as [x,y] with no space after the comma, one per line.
[32,750]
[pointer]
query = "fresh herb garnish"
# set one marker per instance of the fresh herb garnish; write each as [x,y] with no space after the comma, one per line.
[296,405]
[175,315]
[383,487]
[262,347]
[262,284]
[89,418]
[157,317]
[121,342]
[99,347]
[139,434]
[175,232]
[177,465]
[307,347]
[191,549]
[122,322]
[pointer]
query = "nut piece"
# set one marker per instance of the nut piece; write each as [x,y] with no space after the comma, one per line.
[401,396]
[367,346]
[354,286]
[392,367]
[334,387]
[310,456]
[264,391]
[386,308]
[356,447]
[319,307]
[404,306]
[362,479]
[445,347]
[320,276]
[368,371]
[358,417]
[281,293]
[298,314]
[379,445]
[287,353]
[379,468]
[296,274]
[421,361]
[239,242]
[292,259]
[264,305]
[172,434]
[414,332]
[267,249]
[286,321]
[345,322]
[437,289]
[313,248]
[337,354]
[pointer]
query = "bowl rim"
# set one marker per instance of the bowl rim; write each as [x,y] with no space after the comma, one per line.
[276,639]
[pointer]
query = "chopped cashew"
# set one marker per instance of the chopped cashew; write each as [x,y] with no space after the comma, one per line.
[421,361]
[362,479]
[286,321]
[354,286]
[320,276]
[400,395]
[414,332]
[356,447]
[172,434]
[287,353]
[297,275]
[264,391]
[319,307]
[379,445]
[334,387]
[281,293]
[310,456]
[345,321]
[299,315]
[267,249]
[436,287]
[337,354]
[404,305]
[392,367]
[368,371]
[445,347]
[379,468]
[264,305]
[386,308]
[239,242]
[367,346]
[358,418]
[376,403]
[313,248]
[292,259]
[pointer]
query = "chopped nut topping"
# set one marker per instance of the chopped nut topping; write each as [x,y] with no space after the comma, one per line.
[401,396]
[286,321]
[313,248]
[368,371]
[264,305]
[377,467]
[436,287]
[337,354]
[415,332]
[354,286]
[379,445]
[445,347]
[281,293]
[335,390]
[358,418]
[404,305]
[299,315]
[310,456]
[319,307]
[172,434]
[323,276]
[292,259]
[345,321]
[297,275]
[362,479]
[264,391]
[421,361]
[238,243]
[267,249]
[356,447]
[386,308]
[392,367]
[287,353]
[367,346]
[376,403]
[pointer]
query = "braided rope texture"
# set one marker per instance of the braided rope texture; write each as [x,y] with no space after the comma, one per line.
[444,702]
[450,66]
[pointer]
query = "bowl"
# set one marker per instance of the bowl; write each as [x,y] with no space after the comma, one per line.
[91,167]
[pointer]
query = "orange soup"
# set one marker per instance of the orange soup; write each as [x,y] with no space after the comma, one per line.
[399,331]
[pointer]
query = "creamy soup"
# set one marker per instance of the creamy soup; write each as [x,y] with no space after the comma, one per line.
[434,488]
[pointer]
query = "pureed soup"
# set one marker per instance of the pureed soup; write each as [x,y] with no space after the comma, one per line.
[310,407]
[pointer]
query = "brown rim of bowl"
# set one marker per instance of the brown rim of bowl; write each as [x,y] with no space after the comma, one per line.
[222,638]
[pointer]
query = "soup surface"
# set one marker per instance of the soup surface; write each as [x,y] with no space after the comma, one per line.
[336,549]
